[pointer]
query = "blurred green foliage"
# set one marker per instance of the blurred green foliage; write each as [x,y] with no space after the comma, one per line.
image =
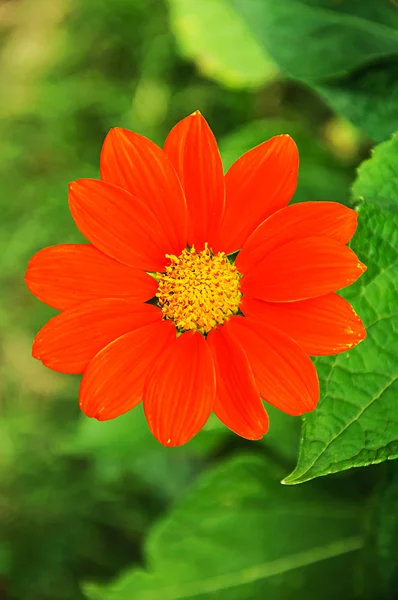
[346,51]
[217,541]
[82,503]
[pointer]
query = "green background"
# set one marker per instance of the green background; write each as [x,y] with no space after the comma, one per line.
[101,511]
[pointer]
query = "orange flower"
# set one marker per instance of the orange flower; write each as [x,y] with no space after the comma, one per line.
[155,309]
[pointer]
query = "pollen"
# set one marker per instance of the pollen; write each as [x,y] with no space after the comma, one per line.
[199,290]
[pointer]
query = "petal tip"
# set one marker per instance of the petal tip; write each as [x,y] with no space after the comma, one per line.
[115,133]
[361,333]
[310,407]
[94,413]
[287,138]
[101,415]
[115,130]
[169,443]
[263,426]
[36,350]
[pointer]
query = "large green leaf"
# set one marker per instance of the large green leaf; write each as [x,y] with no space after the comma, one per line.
[209,32]
[240,535]
[315,40]
[333,46]
[356,422]
[377,180]
[368,98]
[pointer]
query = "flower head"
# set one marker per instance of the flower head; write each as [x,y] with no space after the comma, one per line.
[198,292]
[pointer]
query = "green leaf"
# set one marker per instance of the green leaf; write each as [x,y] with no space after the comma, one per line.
[386,522]
[281,442]
[321,175]
[283,437]
[240,535]
[314,40]
[377,180]
[125,445]
[356,422]
[368,98]
[334,50]
[209,32]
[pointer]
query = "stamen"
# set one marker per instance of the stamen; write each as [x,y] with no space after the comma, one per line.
[199,290]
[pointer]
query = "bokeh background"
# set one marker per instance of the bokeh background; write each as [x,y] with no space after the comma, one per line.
[81,503]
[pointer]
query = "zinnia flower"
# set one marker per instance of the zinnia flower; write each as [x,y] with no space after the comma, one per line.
[198,292]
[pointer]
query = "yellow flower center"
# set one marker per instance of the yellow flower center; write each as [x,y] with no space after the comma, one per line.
[199,290]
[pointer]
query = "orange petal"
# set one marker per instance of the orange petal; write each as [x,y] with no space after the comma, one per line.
[323,219]
[118,224]
[136,164]
[304,268]
[115,378]
[238,404]
[65,275]
[285,376]
[258,184]
[321,326]
[179,394]
[69,341]
[192,148]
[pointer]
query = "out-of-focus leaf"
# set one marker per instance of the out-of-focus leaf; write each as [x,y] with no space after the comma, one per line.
[281,441]
[356,422]
[321,176]
[283,436]
[62,497]
[332,46]
[314,40]
[240,535]
[216,37]
[125,445]
[368,98]
[386,522]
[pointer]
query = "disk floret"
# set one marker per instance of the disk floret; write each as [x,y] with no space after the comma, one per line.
[199,290]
